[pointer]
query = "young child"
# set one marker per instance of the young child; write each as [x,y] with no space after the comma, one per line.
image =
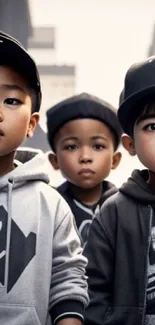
[121,243]
[84,133]
[42,270]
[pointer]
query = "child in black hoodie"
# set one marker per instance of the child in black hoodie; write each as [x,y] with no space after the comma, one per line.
[121,243]
[84,133]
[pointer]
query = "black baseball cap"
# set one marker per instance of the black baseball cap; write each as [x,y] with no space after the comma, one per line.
[139,88]
[13,54]
[78,107]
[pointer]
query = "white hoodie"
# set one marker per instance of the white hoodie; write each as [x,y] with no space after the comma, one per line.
[42,270]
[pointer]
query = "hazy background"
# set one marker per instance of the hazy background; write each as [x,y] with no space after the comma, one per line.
[101,39]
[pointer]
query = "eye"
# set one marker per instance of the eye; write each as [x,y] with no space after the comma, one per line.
[12,101]
[150,127]
[71,147]
[99,146]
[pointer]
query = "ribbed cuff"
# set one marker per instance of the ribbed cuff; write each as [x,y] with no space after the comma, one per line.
[67,309]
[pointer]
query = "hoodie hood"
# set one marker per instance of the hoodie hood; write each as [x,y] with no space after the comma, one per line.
[33,170]
[25,154]
[137,188]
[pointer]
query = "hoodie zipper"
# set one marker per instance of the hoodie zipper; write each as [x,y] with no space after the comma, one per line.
[147,263]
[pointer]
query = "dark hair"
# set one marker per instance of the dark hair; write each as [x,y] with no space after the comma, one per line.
[149,109]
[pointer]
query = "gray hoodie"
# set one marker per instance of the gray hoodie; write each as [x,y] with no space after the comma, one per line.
[42,270]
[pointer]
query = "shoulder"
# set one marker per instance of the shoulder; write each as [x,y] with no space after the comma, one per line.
[63,189]
[114,210]
[109,189]
[51,199]
[111,202]
[117,201]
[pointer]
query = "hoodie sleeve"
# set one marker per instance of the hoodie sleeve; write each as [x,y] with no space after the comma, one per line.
[100,253]
[68,294]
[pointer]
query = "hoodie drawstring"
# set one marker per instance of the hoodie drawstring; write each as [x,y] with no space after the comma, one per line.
[9,205]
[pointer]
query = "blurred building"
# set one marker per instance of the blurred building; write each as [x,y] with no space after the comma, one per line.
[15,19]
[57,81]
[42,45]
[151,49]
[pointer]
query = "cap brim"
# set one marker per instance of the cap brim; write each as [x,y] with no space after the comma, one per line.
[126,108]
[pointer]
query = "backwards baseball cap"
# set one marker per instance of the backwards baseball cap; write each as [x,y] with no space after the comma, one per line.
[13,54]
[78,107]
[139,88]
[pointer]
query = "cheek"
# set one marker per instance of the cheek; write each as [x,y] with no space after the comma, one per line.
[106,158]
[19,121]
[66,160]
[144,146]
[143,143]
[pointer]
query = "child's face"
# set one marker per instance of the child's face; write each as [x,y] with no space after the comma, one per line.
[85,152]
[144,141]
[16,118]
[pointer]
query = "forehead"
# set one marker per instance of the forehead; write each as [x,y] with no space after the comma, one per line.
[143,118]
[84,129]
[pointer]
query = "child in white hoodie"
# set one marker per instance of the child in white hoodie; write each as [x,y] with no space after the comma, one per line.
[42,271]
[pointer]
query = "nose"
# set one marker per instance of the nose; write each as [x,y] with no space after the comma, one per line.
[86,156]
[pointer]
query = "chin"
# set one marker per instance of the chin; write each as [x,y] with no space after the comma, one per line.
[6,152]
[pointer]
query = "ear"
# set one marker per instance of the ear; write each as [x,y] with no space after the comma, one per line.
[53,160]
[34,120]
[116,159]
[128,144]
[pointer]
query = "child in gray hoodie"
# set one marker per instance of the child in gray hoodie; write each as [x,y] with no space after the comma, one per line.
[42,271]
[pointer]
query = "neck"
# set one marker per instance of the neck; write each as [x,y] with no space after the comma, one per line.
[87,195]
[6,163]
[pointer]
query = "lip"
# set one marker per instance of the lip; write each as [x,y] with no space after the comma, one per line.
[86,171]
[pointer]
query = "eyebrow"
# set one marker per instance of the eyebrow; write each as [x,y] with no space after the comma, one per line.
[69,138]
[97,137]
[11,87]
[145,117]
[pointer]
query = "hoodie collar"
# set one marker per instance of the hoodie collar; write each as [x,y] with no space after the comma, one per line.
[137,188]
[108,189]
[33,170]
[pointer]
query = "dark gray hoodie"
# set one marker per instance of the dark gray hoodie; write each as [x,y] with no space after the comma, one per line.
[121,257]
